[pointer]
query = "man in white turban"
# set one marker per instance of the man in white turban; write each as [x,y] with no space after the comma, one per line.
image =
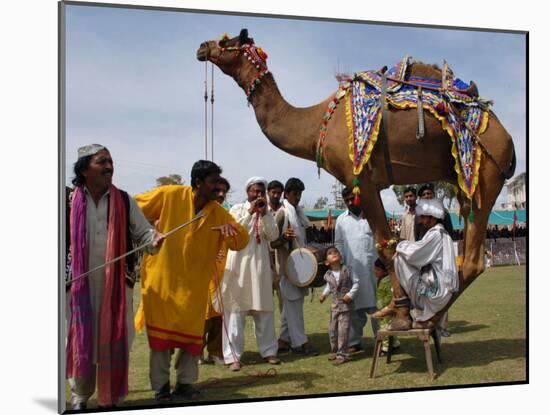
[426,269]
[248,279]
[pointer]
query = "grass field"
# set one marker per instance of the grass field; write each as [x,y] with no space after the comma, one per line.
[488,345]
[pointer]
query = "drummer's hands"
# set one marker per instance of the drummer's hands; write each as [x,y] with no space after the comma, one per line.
[322,297]
[289,234]
[347,299]
[227,230]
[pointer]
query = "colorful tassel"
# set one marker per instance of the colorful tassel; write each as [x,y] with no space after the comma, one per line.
[356,191]
[441,108]
[471,216]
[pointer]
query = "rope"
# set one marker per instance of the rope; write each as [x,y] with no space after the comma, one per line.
[206,110]
[177,228]
[212,112]
[385,141]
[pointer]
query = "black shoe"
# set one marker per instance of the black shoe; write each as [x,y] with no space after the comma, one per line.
[163,395]
[185,391]
[283,347]
[305,349]
[80,406]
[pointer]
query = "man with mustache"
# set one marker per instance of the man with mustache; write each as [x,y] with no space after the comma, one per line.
[104,223]
[174,284]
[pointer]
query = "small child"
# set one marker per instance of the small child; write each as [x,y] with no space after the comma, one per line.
[343,286]
[384,296]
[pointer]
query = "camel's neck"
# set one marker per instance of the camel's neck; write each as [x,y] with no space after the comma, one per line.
[293,130]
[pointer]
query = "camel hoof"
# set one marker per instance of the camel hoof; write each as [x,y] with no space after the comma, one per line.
[385,312]
[398,324]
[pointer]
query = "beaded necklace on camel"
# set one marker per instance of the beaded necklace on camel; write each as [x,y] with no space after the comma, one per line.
[257,57]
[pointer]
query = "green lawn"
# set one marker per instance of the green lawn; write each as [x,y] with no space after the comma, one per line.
[488,344]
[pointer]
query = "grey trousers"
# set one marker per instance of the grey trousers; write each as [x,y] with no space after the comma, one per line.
[292,322]
[186,365]
[338,332]
[358,322]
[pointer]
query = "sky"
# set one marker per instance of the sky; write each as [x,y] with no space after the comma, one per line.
[133,84]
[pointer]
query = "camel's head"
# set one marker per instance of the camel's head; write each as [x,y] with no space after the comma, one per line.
[232,55]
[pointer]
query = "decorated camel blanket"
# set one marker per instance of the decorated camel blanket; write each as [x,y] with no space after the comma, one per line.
[461,115]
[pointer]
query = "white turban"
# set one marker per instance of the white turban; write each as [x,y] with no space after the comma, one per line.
[255,180]
[430,207]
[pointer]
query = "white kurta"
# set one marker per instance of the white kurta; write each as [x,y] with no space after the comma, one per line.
[248,279]
[353,238]
[429,288]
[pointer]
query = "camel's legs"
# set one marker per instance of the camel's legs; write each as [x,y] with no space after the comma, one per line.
[376,216]
[490,185]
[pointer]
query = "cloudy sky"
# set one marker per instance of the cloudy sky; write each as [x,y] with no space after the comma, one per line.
[134,85]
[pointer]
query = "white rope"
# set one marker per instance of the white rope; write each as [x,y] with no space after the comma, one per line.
[206,110]
[212,113]
[200,215]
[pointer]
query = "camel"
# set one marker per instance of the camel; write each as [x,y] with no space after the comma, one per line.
[296,131]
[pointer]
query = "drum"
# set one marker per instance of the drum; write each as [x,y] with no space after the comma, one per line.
[305,267]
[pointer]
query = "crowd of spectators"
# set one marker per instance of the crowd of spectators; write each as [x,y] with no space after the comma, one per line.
[324,235]
[320,235]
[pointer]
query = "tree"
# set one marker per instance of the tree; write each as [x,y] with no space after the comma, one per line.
[170,179]
[321,203]
[446,192]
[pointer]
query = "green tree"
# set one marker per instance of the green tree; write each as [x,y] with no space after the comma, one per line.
[443,191]
[170,179]
[321,203]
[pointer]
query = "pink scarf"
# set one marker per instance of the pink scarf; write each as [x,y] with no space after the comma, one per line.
[112,361]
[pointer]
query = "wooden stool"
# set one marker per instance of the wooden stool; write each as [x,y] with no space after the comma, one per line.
[422,334]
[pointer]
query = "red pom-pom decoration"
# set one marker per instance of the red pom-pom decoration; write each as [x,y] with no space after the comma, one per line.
[441,108]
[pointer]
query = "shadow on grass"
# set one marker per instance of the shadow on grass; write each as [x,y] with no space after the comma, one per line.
[458,355]
[321,343]
[462,326]
[228,389]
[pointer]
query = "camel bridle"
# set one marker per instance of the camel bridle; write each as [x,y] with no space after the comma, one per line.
[251,53]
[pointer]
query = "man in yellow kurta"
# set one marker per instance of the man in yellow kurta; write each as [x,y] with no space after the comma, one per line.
[174,283]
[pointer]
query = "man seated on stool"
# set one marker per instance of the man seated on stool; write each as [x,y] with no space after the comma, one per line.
[426,269]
